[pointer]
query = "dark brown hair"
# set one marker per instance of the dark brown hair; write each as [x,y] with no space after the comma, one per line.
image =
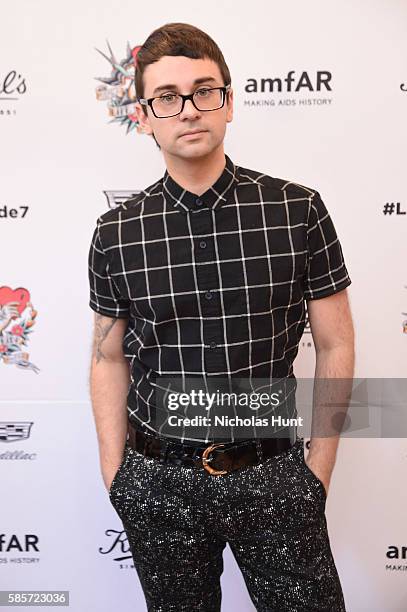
[177,39]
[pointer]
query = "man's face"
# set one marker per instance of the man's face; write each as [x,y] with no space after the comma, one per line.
[181,73]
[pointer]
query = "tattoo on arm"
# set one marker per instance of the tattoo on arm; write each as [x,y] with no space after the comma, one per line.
[102,329]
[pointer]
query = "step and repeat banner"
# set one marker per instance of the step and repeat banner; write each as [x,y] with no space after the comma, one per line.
[320,98]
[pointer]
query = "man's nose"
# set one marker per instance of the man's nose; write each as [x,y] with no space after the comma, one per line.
[189,109]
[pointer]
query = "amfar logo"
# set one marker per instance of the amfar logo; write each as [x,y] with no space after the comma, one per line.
[320,81]
[293,84]
[119,546]
[396,552]
[26,543]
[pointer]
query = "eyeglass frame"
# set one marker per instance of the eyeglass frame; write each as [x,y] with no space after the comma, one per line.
[185,97]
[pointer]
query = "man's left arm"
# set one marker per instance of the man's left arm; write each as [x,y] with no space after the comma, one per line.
[333,334]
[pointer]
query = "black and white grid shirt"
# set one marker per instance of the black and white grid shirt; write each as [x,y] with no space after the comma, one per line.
[213,285]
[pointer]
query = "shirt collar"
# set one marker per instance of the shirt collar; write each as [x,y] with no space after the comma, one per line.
[215,196]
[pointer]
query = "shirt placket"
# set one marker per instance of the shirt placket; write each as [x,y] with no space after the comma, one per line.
[208,289]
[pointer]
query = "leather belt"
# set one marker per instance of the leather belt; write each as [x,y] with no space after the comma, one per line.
[216,458]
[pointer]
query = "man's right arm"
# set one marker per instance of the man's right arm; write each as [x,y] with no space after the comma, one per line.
[109,385]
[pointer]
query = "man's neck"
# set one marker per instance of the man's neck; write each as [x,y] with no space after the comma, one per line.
[196,174]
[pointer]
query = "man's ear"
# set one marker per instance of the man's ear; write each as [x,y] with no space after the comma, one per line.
[143,119]
[229,114]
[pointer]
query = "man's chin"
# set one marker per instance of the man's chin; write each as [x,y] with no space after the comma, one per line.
[191,153]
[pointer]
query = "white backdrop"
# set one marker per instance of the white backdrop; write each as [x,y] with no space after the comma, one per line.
[59,154]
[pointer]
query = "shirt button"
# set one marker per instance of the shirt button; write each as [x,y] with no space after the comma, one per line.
[213,344]
[202,244]
[208,295]
[198,202]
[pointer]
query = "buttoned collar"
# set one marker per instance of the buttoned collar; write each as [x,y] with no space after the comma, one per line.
[215,196]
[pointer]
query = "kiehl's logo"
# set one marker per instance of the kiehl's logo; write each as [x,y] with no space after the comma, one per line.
[12,85]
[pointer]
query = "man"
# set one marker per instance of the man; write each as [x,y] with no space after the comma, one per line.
[204,274]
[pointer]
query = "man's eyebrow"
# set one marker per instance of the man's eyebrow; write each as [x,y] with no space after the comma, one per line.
[172,86]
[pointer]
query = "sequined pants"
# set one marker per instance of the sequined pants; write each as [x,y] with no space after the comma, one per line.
[178,521]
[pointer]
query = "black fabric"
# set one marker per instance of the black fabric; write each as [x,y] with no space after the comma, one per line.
[178,522]
[213,285]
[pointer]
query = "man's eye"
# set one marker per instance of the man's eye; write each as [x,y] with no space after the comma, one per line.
[202,92]
[168,97]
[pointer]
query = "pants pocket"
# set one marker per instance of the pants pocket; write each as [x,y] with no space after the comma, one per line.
[120,469]
[313,478]
[318,482]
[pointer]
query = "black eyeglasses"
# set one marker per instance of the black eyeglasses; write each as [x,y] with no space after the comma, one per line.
[171,104]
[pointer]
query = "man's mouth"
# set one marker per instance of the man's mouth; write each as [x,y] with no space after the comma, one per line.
[193,133]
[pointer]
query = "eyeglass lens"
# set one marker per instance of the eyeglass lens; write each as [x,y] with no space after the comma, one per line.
[205,99]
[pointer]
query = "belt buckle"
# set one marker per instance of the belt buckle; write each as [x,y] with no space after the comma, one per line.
[206,459]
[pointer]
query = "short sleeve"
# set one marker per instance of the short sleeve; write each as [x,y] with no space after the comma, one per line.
[104,295]
[326,271]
